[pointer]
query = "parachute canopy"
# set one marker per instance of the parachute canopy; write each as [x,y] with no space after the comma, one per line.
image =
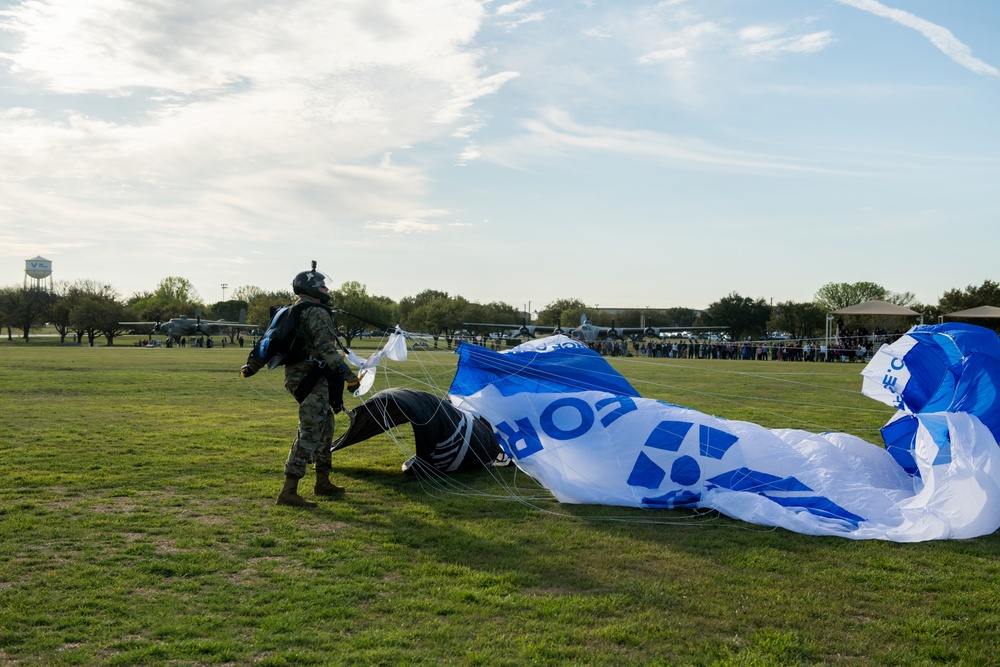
[569,420]
[941,368]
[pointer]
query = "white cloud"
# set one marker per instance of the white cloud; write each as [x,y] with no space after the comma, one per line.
[598,32]
[555,132]
[759,33]
[512,15]
[763,42]
[523,19]
[404,227]
[204,118]
[512,7]
[939,36]
[680,45]
[468,154]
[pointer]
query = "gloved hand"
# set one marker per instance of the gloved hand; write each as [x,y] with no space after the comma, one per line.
[353,384]
[247,371]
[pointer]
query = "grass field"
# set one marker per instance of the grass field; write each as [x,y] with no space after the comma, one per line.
[138,527]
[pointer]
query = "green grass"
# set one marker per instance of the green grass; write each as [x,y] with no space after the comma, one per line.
[138,527]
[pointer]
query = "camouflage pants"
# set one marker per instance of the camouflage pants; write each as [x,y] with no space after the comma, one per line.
[315,436]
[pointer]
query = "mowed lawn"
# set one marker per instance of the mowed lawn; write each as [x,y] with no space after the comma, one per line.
[138,527]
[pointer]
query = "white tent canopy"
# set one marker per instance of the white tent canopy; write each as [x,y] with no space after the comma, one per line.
[875,307]
[981,311]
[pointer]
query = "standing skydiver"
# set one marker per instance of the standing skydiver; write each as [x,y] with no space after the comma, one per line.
[315,374]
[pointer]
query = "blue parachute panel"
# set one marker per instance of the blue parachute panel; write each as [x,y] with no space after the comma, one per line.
[714,442]
[819,506]
[646,473]
[938,428]
[954,368]
[744,479]
[930,377]
[977,391]
[685,471]
[898,436]
[571,367]
[668,435]
[674,499]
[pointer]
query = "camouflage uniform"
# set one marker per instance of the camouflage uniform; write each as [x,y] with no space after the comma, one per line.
[315,435]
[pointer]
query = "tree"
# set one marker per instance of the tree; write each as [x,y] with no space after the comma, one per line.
[69,294]
[362,310]
[563,312]
[109,313]
[801,320]
[6,316]
[174,288]
[495,311]
[248,293]
[25,307]
[834,296]
[227,310]
[410,303]
[675,317]
[260,305]
[441,316]
[88,317]
[59,314]
[987,294]
[173,297]
[743,315]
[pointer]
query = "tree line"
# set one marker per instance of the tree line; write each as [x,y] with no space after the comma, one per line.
[88,309]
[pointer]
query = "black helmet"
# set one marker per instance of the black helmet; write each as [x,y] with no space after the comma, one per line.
[308,283]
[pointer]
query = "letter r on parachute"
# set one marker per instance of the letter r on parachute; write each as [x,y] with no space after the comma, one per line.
[520,441]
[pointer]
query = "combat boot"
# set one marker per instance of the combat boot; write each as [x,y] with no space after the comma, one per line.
[324,487]
[290,494]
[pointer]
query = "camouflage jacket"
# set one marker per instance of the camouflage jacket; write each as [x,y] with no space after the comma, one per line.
[319,333]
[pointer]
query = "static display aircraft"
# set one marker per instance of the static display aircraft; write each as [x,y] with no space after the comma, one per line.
[183,326]
[587,331]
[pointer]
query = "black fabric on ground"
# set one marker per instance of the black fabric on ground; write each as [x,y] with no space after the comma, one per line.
[446,438]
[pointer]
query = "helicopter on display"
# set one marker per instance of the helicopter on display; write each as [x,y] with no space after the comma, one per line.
[184,326]
[587,331]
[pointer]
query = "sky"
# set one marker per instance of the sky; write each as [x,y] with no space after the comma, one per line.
[627,154]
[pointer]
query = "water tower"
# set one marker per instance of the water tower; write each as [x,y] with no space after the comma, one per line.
[38,269]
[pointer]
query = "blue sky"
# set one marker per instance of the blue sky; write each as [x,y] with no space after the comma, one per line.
[627,154]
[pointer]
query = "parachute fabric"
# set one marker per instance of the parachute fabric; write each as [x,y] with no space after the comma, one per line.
[447,439]
[949,367]
[575,425]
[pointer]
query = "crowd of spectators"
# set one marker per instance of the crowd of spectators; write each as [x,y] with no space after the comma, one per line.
[846,346]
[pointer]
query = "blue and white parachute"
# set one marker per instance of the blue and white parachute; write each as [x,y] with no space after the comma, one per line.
[573,423]
[943,368]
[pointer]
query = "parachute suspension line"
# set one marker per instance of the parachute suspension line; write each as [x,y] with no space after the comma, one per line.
[431,479]
[743,399]
[765,376]
[438,484]
[738,398]
[273,395]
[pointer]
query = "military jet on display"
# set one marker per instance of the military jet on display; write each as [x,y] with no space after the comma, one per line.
[183,326]
[587,331]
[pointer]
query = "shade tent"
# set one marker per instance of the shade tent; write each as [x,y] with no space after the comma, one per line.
[875,307]
[869,308]
[981,311]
